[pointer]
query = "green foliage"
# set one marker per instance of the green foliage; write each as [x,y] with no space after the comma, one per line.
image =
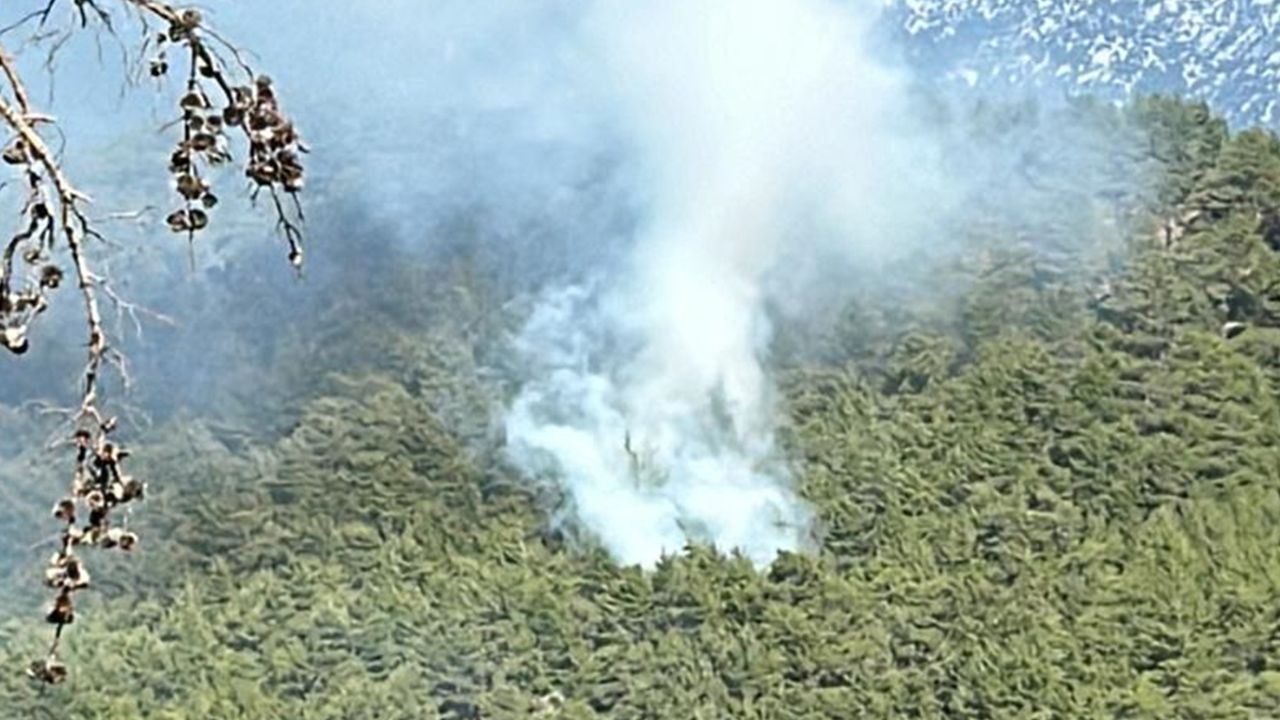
[1044,504]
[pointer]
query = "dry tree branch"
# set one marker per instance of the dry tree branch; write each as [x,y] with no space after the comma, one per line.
[132,311]
[66,572]
[15,83]
[274,145]
[41,15]
[53,223]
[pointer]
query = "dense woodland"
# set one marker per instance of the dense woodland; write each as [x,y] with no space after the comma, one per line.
[1054,493]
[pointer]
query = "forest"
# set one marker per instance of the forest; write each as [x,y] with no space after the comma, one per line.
[1052,493]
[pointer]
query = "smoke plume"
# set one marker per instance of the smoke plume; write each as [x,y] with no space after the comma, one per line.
[763,136]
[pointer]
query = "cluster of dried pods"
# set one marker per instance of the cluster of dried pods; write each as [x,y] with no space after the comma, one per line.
[100,486]
[52,222]
[22,301]
[274,161]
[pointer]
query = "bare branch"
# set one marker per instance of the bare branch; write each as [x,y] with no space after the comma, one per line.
[54,224]
[15,83]
[41,15]
[132,311]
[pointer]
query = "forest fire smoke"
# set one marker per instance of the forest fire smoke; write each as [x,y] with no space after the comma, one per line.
[761,131]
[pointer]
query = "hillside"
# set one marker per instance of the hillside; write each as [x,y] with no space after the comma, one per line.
[1220,51]
[1052,494]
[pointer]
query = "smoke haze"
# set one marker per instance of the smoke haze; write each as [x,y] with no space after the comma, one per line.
[673,181]
[760,131]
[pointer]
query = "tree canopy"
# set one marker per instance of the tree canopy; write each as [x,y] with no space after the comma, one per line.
[1058,496]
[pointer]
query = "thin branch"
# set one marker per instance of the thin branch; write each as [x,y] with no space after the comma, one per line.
[42,14]
[133,311]
[15,82]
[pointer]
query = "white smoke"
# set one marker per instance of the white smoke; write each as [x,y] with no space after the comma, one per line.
[766,139]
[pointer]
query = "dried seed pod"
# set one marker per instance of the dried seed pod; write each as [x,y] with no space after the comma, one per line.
[95,500]
[93,535]
[286,134]
[209,200]
[14,339]
[109,453]
[179,161]
[260,121]
[134,489]
[199,219]
[290,171]
[48,671]
[189,186]
[263,173]
[193,101]
[73,536]
[55,577]
[158,67]
[28,300]
[178,221]
[63,611]
[15,153]
[201,142]
[51,277]
[76,577]
[128,541]
[65,510]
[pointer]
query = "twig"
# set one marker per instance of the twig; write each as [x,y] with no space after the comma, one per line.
[42,14]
